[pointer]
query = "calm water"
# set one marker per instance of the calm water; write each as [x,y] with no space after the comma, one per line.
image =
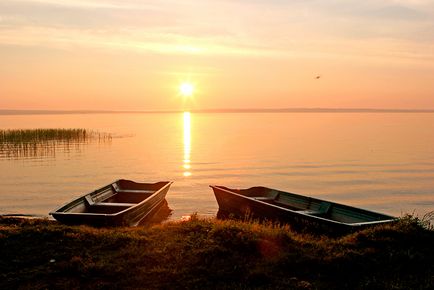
[378,161]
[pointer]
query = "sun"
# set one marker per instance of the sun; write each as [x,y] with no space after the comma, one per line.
[186,89]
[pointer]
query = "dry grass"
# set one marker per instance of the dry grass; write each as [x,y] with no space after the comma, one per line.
[40,135]
[213,254]
[24,143]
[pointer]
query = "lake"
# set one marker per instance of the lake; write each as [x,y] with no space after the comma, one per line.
[378,161]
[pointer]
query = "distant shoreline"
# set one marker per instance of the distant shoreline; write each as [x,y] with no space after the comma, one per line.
[283,110]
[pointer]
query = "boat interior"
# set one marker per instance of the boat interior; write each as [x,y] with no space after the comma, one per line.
[111,199]
[301,205]
[311,206]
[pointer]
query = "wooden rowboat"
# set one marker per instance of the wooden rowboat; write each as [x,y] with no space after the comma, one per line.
[121,203]
[299,210]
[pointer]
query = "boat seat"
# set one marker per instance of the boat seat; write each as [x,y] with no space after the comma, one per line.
[89,200]
[263,198]
[114,204]
[309,211]
[324,208]
[134,191]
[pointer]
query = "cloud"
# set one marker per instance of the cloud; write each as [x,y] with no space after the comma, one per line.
[250,28]
[85,4]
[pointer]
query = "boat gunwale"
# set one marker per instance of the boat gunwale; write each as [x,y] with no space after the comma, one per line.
[81,199]
[314,217]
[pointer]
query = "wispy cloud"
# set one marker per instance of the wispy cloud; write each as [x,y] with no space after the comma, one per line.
[88,4]
[393,28]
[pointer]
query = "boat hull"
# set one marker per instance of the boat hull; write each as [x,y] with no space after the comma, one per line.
[122,203]
[299,211]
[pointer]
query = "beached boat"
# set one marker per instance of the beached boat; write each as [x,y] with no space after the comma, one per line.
[299,210]
[121,203]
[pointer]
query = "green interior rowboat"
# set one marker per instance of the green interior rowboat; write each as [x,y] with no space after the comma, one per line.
[271,204]
[121,203]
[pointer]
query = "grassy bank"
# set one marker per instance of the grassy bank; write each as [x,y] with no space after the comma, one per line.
[209,254]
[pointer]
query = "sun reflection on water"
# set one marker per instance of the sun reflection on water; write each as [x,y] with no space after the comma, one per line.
[187,144]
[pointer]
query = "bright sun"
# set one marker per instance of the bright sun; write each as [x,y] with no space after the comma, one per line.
[186,89]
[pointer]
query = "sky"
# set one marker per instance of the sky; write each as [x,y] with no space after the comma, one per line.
[134,55]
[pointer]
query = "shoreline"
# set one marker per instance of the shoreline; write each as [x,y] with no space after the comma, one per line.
[14,112]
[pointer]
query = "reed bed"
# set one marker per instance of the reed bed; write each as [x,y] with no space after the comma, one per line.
[40,135]
[29,143]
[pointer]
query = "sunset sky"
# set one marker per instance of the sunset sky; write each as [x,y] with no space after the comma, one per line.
[134,55]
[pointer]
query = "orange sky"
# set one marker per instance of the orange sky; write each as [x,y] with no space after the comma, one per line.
[132,55]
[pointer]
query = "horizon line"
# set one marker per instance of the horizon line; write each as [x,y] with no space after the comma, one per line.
[220,110]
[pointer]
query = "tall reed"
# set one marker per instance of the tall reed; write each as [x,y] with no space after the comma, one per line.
[35,135]
[23,143]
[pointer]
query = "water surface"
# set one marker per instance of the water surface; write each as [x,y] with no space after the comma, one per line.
[378,161]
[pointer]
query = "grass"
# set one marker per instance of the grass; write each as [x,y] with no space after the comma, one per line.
[213,254]
[40,135]
[43,142]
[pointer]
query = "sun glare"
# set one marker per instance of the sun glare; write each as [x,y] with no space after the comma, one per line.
[186,89]
[187,144]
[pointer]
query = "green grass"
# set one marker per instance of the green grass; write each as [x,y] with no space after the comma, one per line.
[213,254]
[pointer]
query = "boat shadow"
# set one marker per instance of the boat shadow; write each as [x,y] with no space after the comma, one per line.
[158,215]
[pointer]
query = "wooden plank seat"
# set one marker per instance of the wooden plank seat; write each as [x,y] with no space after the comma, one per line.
[309,211]
[89,200]
[134,191]
[324,208]
[114,204]
[120,190]
[263,198]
